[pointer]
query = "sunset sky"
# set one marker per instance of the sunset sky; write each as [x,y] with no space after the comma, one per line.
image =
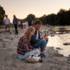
[21,8]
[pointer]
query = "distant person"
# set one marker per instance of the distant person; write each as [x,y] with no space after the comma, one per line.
[15,22]
[25,25]
[36,40]
[6,22]
[29,22]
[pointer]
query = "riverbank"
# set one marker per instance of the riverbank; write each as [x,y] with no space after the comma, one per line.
[8,45]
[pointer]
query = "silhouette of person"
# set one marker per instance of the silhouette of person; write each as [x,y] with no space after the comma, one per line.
[6,22]
[15,22]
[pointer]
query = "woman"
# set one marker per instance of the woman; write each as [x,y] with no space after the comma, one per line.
[24,49]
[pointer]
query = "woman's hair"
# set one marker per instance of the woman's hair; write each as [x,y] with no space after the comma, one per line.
[29,31]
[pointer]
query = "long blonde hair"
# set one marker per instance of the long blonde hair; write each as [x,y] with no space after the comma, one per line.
[29,31]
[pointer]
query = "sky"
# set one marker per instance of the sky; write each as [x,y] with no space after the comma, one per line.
[21,8]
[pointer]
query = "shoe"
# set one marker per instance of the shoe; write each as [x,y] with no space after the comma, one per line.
[40,60]
[43,55]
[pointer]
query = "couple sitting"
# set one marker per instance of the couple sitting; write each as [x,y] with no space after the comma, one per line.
[31,45]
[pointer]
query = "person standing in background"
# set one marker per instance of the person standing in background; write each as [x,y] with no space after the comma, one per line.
[15,22]
[6,22]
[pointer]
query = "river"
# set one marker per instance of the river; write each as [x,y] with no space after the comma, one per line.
[58,40]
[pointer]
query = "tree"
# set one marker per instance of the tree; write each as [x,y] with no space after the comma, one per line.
[51,19]
[64,17]
[43,19]
[2,13]
[30,18]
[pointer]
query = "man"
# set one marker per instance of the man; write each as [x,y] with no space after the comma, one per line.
[6,21]
[15,22]
[36,40]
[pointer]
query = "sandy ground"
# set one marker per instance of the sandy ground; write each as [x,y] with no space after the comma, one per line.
[8,61]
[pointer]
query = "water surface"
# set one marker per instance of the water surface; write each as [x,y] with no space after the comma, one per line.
[58,40]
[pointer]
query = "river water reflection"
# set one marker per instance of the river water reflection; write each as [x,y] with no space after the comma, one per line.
[58,41]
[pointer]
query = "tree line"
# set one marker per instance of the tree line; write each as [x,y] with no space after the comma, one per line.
[2,13]
[61,18]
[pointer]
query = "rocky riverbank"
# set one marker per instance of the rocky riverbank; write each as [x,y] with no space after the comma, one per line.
[8,61]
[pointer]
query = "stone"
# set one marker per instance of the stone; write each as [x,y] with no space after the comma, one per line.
[67,43]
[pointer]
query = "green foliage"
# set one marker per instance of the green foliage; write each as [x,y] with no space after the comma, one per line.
[61,18]
[2,13]
[30,18]
[64,17]
[43,19]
